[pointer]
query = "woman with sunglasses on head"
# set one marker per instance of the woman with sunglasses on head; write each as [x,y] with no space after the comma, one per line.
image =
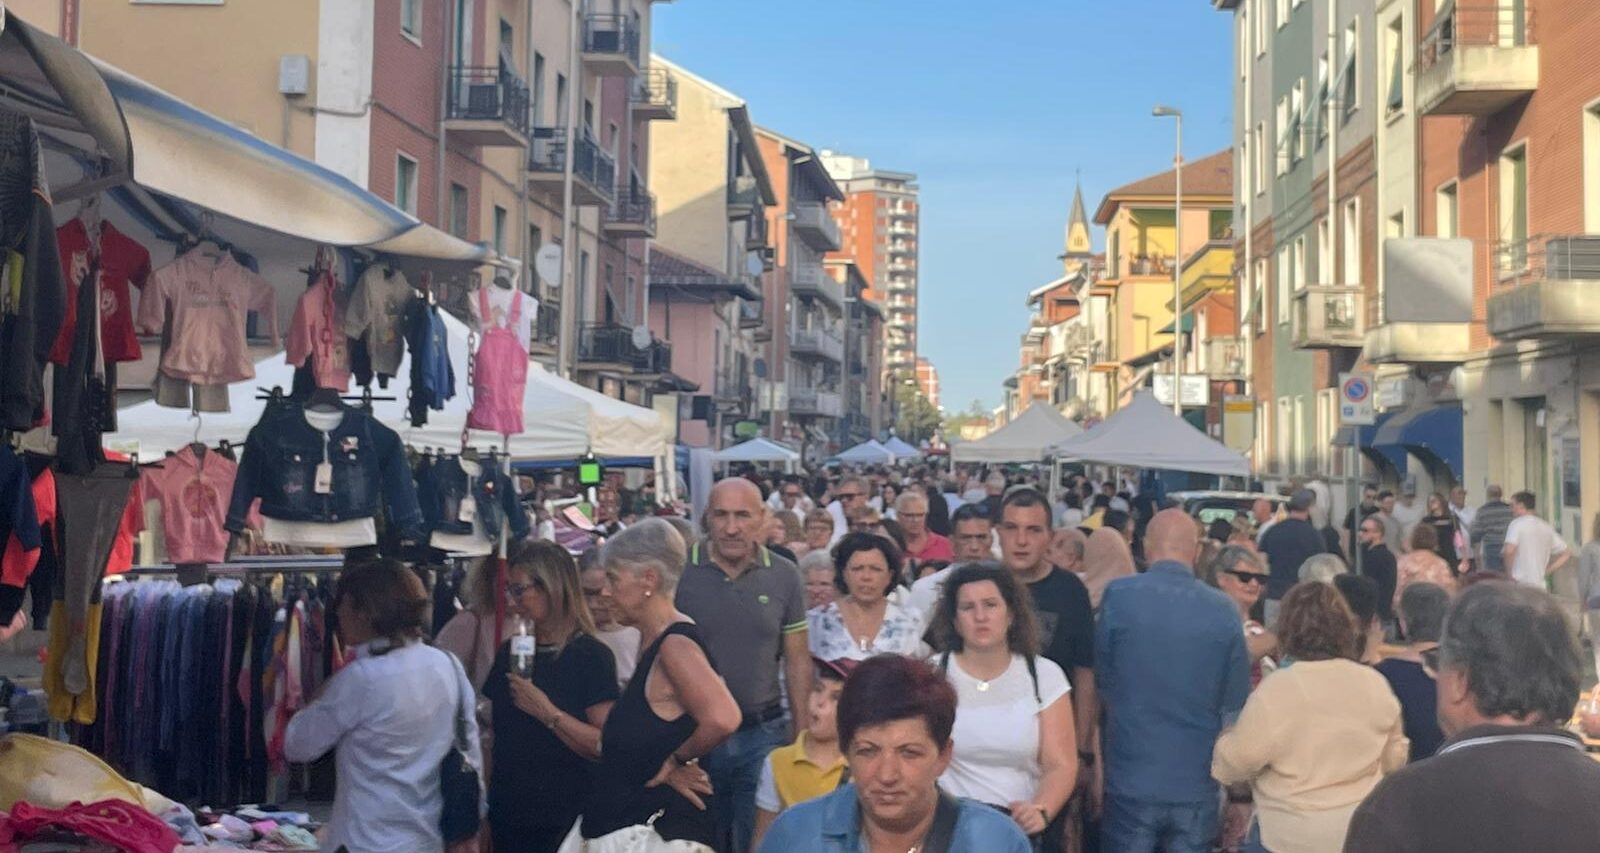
[547,726]
[1240,574]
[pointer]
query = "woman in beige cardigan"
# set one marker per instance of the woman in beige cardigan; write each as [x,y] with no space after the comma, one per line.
[1317,736]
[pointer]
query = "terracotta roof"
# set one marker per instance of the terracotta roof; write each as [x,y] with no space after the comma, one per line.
[1211,176]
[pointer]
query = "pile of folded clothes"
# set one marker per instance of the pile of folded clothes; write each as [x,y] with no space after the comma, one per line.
[258,828]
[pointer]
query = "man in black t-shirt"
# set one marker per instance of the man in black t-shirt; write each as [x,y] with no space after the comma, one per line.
[1066,618]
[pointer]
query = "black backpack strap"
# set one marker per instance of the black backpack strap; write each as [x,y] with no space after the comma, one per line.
[944,662]
[941,836]
[1033,673]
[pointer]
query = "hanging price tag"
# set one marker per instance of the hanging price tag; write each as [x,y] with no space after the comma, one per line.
[324,482]
[468,510]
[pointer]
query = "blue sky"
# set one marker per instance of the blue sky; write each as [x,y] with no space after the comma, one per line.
[994,106]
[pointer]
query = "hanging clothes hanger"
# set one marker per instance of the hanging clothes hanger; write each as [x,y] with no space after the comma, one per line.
[324,400]
[197,446]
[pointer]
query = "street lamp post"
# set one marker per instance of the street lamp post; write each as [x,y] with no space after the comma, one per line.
[1177,264]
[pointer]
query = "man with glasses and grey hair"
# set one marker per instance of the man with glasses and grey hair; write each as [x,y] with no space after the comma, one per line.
[1509,776]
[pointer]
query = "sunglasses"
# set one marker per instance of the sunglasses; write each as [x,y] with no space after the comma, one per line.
[1248,577]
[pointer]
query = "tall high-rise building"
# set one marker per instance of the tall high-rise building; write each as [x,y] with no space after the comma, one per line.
[879,223]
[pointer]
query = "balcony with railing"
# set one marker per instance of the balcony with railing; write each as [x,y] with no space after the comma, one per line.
[896,266]
[732,386]
[633,214]
[752,313]
[1547,286]
[610,45]
[817,342]
[901,228]
[594,172]
[486,106]
[744,197]
[902,248]
[756,235]
[655,95]
[814,224]
[546,330]
[902,212]
[1477,59]
[653,360]
[1329,316]
[606,345]
[809,279]
[1424,314]
[814,402]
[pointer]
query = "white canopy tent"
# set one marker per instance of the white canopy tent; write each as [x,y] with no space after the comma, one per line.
[1027,438]
[562,419]
[1146,434]
[900,448]
[759,450]
[871,452]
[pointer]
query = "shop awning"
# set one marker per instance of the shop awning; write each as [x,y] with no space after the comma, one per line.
[1430,430]
[165,145]
[1390,455]
[1188,324]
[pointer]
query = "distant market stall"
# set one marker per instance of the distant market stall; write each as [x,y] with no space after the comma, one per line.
[1027,438]
[1145,434]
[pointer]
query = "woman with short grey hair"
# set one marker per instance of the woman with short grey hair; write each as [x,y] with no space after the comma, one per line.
[1322,568]
[652,742]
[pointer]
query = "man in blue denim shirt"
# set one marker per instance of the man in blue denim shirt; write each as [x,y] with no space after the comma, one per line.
[1172,669]
[895,716]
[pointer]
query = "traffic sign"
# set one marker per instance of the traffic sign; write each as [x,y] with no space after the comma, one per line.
[1357,400]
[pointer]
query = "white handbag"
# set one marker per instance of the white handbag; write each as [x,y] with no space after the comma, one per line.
[642,838]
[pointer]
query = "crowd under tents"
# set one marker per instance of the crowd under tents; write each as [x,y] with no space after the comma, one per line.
[1027,438]
[1145,434]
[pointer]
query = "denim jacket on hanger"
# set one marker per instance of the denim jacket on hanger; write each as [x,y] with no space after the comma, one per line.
[280,463]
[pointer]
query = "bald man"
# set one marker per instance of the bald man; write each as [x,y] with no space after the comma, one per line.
[1172,670]
[750,607]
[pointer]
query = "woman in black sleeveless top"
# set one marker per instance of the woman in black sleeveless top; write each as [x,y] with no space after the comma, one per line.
[675,710]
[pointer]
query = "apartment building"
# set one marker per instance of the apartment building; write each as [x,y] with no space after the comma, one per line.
[1306,106]
[1508,103]
[1142,255]
[707,289]
[879,223]
[867,404]
[459,113]
[803,342]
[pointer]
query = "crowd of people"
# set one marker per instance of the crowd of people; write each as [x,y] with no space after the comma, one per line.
[910,660]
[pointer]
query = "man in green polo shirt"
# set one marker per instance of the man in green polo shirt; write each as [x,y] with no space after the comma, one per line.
[751,608]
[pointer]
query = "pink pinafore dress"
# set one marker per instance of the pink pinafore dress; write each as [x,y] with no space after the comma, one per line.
[500,372]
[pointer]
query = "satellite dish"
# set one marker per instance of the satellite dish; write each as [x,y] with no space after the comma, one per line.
[641,337]
[547,263]
[753,264]
[760,368]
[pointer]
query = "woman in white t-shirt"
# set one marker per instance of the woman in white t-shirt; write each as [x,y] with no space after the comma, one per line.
[1014,726]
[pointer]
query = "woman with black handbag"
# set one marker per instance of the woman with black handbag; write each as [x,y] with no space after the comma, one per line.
[389,798]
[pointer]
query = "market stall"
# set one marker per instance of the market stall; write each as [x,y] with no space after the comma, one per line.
[1027,438]
[870,452]
[289,342]
[1145,434]
[900,448]
[759,450]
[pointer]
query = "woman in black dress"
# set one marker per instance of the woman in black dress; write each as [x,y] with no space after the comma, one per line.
[675,710]
[548,727]
[1443,522]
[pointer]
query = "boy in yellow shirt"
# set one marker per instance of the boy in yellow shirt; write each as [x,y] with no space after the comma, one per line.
[811,766]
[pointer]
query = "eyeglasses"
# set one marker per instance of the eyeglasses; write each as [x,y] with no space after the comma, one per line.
[515,590]
[849,496]
[1248,577]
[593,593]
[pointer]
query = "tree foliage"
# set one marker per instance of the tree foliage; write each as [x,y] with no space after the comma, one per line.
[918,420]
